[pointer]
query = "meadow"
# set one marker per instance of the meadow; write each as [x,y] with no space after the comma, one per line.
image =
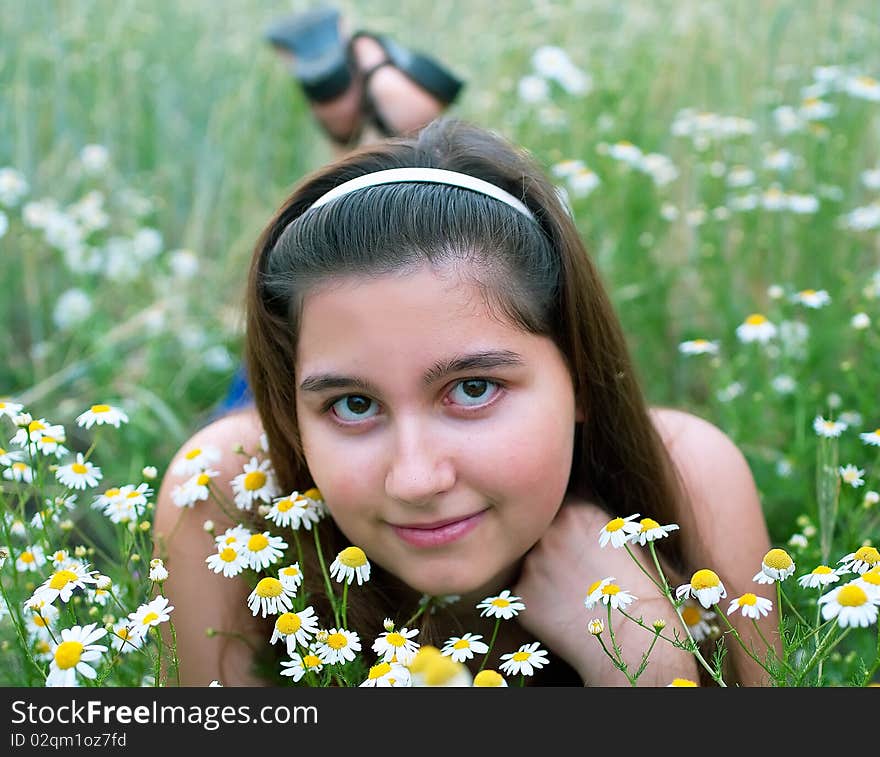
[721,159]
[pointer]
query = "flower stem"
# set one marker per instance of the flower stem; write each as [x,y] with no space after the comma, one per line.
[327,585]
[491,644]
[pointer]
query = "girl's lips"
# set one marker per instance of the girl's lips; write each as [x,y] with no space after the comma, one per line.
[435,536]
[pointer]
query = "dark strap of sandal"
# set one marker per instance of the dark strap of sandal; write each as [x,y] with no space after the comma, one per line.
[368,105]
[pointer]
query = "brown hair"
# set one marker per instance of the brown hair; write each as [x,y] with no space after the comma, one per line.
[536,271]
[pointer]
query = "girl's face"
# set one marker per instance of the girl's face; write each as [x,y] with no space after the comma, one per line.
[440,437]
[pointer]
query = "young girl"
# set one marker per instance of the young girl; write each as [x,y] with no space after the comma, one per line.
[431,347]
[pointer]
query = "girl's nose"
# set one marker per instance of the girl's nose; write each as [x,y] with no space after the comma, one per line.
[419,469]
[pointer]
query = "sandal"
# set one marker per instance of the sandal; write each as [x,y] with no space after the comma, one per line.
[326,66]
[424,71]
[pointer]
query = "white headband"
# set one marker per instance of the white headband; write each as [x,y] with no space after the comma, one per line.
[431,175]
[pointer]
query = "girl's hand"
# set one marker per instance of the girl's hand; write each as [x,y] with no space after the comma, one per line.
[553,583]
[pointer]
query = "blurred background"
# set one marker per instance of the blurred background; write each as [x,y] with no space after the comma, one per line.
[722,160]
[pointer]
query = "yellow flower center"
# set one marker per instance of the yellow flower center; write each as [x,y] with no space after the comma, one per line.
[193,454]
[440,670]
[257,543]
[395,639]
[682,682]
[149,618]
[254,480]
[377,671]
[748,599]
[284,505]
[19,466]
[423,658]
[203,480]
[488,678]
[808,292]
[48,440]
[521,656]
[691,615]
[867,81]
[111,492]
[68,654]
[122,633]
[61,578]
[79,469]
[100,408]
[872,577]
[756,319]
[133,494]
[499,602]
[337,641]
[269,587]
[822,570]
[353,557]
[288,623]
[228,554]
[868,555]
[777,558]
[290,571]
[615,525]
[610,589]
[40,621]
[313,493]
[704,579]
[462,644]
[27,557]
[311,661]
[593,587]
[851,596]
[648,524]
[36,426]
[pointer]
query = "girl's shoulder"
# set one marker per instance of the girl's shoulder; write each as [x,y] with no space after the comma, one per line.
[219,440]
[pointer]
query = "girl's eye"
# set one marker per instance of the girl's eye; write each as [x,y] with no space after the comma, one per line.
[473,392]
[353,408]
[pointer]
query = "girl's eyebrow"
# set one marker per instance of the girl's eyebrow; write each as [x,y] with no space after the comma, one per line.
[475,361]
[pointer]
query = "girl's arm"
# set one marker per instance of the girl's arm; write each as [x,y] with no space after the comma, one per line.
[203,599]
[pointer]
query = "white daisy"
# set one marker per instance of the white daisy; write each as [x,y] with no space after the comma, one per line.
[308,509]
[430,668]
[73,653]
[295,628]
[870,581]
[8,457]
[59,557]
[195,460]
[51,445]
[388,674]
[397,645]
[863,559]
[819,577]
[80,474]
[40,620]
[504,606]
[608,593]
[158,571]
[196,488]
[269,597]
[698,347]
[9,408]
[263,550]
[228,560]
[123,639]
[777,565]
[34,430]
[291,577]
[812,298]
[298,665]
[489,679]
[100,415]
[255,484]
[235,536]
[349,564]
[750,606]
[651,530]
[852,475]
[828,428]
[697,620]
[871,437]
[527,659]
[756,328]
[283,511]
[705,586]
[339,645]
[31,559]
[682,683]
[462,648]
[19,471]
[148,616]
[851,604]
[618,531]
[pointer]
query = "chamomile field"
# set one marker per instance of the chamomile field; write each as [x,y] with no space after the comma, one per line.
[721,161]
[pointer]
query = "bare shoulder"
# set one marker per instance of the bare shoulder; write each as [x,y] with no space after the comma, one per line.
[722,506]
